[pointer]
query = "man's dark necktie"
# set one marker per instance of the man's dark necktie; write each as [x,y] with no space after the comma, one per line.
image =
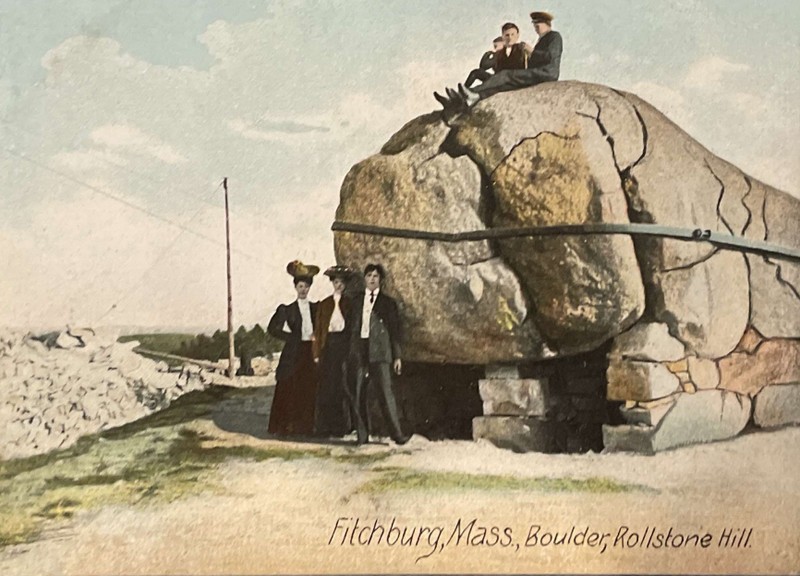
[371,297]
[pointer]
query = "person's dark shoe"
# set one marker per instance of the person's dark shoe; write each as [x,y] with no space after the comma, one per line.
[454,96]
[469,97]
[444,101]
[400,440]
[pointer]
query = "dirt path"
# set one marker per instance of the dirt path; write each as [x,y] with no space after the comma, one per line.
[280,515]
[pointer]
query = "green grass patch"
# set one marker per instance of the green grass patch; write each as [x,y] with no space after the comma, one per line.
[364,459]
[393,479]
[17,528]
[155,460]
[166,343]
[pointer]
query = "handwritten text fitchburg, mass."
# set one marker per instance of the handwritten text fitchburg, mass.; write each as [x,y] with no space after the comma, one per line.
[427,540]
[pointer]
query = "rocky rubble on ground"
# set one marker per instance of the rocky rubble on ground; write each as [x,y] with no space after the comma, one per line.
[57,387]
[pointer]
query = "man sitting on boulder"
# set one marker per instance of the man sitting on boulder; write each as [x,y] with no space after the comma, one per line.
[544,64]
[484,70]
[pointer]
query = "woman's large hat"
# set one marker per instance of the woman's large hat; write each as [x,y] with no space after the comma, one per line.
[338,272]
[300,270]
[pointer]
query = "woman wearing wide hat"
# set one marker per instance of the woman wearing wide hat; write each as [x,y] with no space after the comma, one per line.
[292,411]
[330,351]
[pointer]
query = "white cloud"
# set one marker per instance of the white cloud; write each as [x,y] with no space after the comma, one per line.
[708,73]
[130,138]
[668,100]
[88,160]
[157,136]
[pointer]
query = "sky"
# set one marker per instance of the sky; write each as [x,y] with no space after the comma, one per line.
[119,119]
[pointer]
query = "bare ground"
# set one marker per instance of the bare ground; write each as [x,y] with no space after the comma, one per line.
[262,506]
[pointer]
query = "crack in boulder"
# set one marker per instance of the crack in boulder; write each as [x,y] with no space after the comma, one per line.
[609,138]
[521,142]
[702,260]
[720,217]
[645,133]
[746,207]
[779,277]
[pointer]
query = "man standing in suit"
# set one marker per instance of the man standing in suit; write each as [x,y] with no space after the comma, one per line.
[375,353]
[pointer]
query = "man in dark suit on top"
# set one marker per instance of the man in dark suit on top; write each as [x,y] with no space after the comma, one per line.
[512,56]
[375,353]
[486,67]
[544,65]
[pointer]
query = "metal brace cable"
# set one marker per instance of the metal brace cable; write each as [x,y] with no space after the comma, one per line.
[632,229]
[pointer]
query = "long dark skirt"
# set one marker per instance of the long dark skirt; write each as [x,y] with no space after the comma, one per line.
[332,411]
[292,411]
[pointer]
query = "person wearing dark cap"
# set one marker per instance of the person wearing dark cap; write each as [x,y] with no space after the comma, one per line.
[544,65]
[292,411]
[375,336]
[330,347]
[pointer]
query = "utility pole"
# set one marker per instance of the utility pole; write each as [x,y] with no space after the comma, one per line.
[231,354]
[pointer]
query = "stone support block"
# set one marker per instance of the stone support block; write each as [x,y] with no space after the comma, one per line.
[650,342]
[641,381]
[514,397]
[517,433]
[704,373]
[777,406]
[705,416]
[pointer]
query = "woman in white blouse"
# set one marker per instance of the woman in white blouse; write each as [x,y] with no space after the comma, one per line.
[292,411]
[331,343]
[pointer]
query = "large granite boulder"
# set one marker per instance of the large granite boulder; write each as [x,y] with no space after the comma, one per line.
[569,153]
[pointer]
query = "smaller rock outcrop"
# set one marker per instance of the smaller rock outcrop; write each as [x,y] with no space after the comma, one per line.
[57,388]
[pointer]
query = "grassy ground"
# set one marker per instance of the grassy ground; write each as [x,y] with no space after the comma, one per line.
[159,458]
[167,343]
[172,455]
[393,478]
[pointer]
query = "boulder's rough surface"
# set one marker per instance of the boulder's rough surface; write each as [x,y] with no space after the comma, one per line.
[80,384]
[690,320]
[567,153]
[462,290]
[773,362]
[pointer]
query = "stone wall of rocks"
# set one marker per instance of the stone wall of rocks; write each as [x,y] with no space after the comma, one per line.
[557,405]
[673,398]
[57,387]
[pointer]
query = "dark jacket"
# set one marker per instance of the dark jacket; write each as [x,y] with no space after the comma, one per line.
[384,329]
[322,320]
[289,314]
[487,61]
[546,56]
[514,61]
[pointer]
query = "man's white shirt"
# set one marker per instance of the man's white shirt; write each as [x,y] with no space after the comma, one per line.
[366,311]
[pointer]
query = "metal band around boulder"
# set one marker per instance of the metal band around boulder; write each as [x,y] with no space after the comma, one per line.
[633,229]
